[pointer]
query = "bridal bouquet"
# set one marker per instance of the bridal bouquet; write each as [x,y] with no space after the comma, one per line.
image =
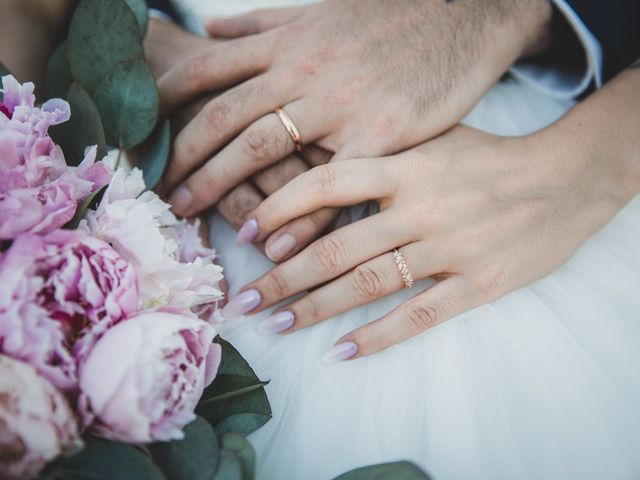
[110,363]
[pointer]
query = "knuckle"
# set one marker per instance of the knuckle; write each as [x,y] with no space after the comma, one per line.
[236,207]
[313,309]
[367,283]
[420,317]
[279,284]
[323,179]
[261,144]
[215,116]
[328,255]
[491,280]
[194,70]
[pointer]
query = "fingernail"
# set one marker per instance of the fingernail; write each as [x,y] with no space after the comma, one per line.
[243,303]
[181,199]
[341,352]
[281,246]
[277,323]
[248,232]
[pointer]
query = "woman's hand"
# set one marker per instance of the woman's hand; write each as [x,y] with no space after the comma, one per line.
[479,214]
[357,77]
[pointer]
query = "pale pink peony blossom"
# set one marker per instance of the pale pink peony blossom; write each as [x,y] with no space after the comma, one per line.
[36,423]
[143,379]
[38,191]
[58,294]
[174,268]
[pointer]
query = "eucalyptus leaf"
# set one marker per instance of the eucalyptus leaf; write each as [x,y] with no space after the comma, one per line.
[386,471]
[91,201]
[249,411]
[58,75]
[105,460]
[242,423]
[243,450]
[127,100]
[151,156]
[229,386]
[193,458]
[83,129]
[232,361]
[4,70]
[102,34]
[229,468]
[141,12]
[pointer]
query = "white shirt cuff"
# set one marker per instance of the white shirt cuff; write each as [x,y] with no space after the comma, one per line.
[565,83]
[160,15]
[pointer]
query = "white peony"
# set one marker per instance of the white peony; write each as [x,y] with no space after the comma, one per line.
[141,227]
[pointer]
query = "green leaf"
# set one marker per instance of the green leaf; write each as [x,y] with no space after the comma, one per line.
[58,75]
[243,451]
[228,386]
[92,201]
[385,471]
[193,458]
[4,70]
[151,157]
[249,411]
[105,460]
[127,100]
[83,129]
[229,468]
[242,423]
[232,361]
[102,34]
[141,12]
[237,392]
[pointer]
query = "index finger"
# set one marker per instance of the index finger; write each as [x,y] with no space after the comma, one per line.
[213,68]
[333,185]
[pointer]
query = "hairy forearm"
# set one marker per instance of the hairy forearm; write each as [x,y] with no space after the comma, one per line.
[524,26]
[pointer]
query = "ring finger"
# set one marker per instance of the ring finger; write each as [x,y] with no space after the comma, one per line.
[261,144]
[322,261]
[366,283]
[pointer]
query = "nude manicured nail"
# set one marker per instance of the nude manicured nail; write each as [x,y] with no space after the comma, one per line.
[280,247]
[248,232]
[276,323]
[245,302]
[181,199]
[341,352]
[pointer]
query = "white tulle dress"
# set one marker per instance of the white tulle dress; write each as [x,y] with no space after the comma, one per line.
[541,384]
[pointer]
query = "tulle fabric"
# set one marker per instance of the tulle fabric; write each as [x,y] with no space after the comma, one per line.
[543,383]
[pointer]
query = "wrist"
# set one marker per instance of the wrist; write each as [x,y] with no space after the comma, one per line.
[523,25]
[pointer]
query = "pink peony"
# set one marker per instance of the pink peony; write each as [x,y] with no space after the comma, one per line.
[143,379]
[38,191]
[36,423]
[174,269]
[58,294]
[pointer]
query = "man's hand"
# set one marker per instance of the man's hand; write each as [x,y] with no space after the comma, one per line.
[358,77]
[166,44]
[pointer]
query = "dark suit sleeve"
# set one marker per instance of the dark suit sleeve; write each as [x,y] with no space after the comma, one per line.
[164,6]
[616,25]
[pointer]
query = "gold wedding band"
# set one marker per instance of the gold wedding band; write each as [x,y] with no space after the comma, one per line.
[403,268]
[293,131]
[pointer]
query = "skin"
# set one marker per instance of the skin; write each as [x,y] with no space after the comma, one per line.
[358,77]
[166,44]
[34,26]
[480,214]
